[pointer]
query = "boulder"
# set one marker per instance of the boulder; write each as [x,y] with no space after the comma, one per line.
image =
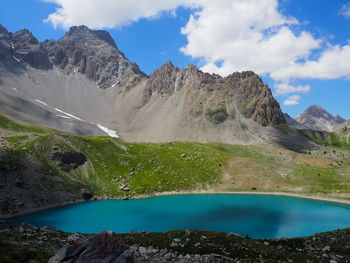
[48,229]
[86,194]
[104,247]
[5,225]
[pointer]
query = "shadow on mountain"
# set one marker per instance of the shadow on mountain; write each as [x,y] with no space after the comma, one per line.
[24,110]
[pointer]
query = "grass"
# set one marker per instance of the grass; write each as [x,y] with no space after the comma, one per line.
[10,125]
[328,139]
[118,168]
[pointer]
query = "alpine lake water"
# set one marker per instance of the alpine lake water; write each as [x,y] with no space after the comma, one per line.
[258,216]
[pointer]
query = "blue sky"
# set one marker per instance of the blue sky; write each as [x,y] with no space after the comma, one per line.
[311,35]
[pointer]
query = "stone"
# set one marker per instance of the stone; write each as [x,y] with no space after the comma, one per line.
[74,238]
[19,182]
[49,229]
[326,248]
[5,225]
[104,247]
[86,194]
[25,227]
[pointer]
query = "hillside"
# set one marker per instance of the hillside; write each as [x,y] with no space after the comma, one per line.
[42,168]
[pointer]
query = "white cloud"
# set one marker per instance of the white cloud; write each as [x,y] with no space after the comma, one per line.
[333,63]
[226,35]
[245,35]
[345,10]
[292,100]
[284,88]
[108,13]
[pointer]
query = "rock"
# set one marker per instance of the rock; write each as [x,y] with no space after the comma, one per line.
[183,155]
[326,248]
[5,225]
[93,54]
[68,160]
[19,182]
[25,227]
[333,261]
[142,250]
[74,238]
[86,194]
[49,229]
[103,247]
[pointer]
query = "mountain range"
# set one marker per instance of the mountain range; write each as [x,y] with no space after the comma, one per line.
[83,84]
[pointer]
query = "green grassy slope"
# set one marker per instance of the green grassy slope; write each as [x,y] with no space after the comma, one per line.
[117,168]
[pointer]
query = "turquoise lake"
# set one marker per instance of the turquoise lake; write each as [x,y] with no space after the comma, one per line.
[258,216]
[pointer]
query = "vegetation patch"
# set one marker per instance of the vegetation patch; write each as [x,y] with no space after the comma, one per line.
[217,115]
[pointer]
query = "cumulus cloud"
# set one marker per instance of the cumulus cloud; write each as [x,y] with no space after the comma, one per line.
[245,35]
[227,36]
[345,10]
[333,63]
[108,13]
[292,100]
[284,88]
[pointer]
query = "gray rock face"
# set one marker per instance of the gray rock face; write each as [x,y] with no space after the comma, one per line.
[94,54]
[317,118]
[27,48]
[105,247]
[246,90]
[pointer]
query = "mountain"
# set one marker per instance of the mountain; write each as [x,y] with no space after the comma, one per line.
[83,84]
[293,123]
[317,118]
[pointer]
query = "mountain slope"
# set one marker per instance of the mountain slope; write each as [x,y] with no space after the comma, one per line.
[40,168]
[83,79]
[317,118]
[293,123]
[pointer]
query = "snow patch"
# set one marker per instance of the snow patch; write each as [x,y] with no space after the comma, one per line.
[111,133]
[19,61]
[63,116]
[68,114]
[41,102]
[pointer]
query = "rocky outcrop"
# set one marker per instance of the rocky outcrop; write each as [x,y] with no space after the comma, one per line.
[27,49]
[245,90]
[105,247]
[68,161]
[317,118]
[94,54]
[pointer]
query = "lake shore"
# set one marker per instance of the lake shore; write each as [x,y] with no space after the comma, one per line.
[170,193]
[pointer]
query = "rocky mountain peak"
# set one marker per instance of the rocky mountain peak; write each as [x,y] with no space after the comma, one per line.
[95,55]
[24,36]
[244,90]
[319,112]
[84,32]
[317,118]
